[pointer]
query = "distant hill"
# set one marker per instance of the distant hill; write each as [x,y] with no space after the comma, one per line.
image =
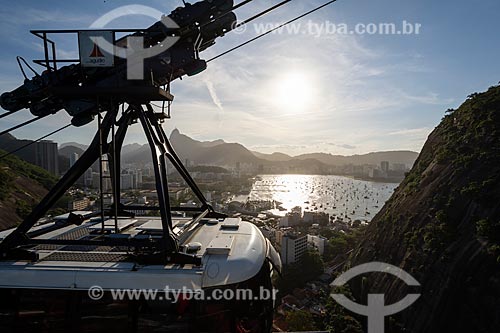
[73,144]
[442,225]
[274,157]
[66,151]
[404,157]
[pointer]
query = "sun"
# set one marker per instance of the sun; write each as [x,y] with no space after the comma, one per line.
[293,92]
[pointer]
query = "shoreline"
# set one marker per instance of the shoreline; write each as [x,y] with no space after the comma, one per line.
[374,180]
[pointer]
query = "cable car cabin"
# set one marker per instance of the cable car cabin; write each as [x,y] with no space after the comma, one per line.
[96,289]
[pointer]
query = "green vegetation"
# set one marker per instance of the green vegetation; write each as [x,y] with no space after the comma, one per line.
[340,243]
[5,183]
[338,320]
[445,217]
[412,182]
[488,229]
[23,208]
[300,321]
[466,146]
[61,206]
[12,167]
[21,185]
[297,274]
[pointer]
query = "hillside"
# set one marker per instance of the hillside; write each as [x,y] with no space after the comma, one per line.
[21,186]
[8,142]
[442,225]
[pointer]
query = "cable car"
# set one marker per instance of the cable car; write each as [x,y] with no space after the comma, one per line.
[78,287]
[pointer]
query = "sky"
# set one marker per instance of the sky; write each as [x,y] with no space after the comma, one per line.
[310,88]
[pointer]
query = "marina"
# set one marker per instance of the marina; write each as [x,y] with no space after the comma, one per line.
[338,196]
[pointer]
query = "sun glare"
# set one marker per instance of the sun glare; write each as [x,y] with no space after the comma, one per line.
[294,92]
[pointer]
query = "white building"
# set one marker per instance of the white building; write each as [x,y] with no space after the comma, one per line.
[292,218]
[88,178]
[399,167]
[316,218]
[128,181]
[72,159]
[317,242]
[293,247]
[131,180]
[384,165]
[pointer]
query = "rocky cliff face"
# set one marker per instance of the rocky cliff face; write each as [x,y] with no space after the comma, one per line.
[442,225]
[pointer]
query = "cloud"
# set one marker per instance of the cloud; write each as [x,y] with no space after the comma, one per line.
[346,146]
[357,96]
[31,16]
[213,93]
[429,98]
[412,132]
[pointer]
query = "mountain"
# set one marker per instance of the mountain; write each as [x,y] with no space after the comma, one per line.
[208,144]
[8,142]
[73,144]
[216,152]
[442,225]
[21,186]
[128,149]
[211,153]
[225,154]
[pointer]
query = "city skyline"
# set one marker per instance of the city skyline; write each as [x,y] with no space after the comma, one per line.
[353,94]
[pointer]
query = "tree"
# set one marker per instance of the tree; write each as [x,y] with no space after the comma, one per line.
[337,319]
[297,274]
[300,321]
[311,264]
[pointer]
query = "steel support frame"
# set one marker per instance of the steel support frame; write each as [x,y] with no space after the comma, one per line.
[161,150]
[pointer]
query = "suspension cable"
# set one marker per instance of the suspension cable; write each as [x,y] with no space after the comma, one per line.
[3,115]
[241,4]
[262,13]
[33,142]
[22,124]
[274,29]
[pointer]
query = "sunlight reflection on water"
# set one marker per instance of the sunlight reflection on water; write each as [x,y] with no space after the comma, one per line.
[335,195]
